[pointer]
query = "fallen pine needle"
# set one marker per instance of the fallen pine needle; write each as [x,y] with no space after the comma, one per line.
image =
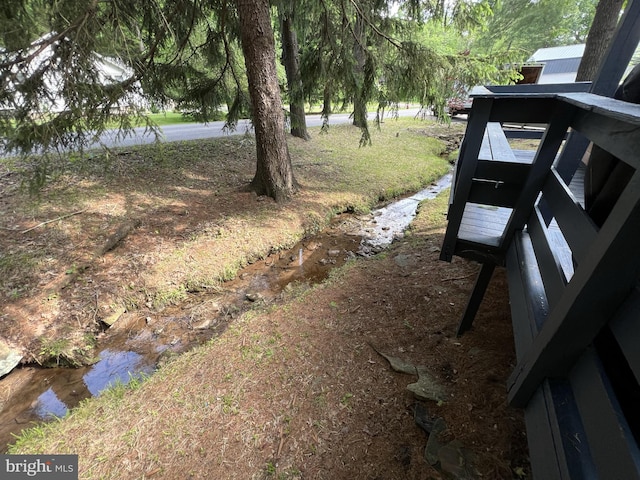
[54,220]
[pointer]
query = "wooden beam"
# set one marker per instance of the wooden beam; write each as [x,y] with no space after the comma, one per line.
[608,434]
[466,167]
[616,136]
[539,88]
[548,263]
[475,299]
[545,446]
[605,278]
[575,224]
[545,156]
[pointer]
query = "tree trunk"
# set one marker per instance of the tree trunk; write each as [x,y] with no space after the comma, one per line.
[274,172]
[327,108]
[360,57]
[291,60]
[600,35]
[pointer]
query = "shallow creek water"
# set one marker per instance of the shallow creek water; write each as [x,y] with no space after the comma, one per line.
[135,345]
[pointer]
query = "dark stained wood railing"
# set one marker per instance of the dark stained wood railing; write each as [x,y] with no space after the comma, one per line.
[573,286]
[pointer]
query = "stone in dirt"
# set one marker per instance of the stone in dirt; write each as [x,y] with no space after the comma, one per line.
[254,296]
[397,364]
[203,325]
[456,460]
[114,317]
[433,444]
[9,358]
[403,260]
[422,418]
[426,388]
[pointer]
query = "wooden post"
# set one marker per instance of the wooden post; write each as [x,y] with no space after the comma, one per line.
[480,287]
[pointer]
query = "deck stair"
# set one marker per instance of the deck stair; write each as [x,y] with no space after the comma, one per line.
[573,287]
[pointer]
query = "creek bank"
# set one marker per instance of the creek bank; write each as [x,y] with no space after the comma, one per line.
[135,343]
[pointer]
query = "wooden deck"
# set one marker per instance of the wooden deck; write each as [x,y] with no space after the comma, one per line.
[574,286]
[485,224]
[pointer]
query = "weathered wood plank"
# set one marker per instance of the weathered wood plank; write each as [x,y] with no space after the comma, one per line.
[526,293]
[488,216]
[467,161]
[538,88]
[576,226]
[605,106]
[604,278]
[498,143]
[545,156]
[608,434]
[561,249]
[570,430]
[541,423]
[479,236]
[485,148]
[576,184]
[548,264]
[616,135]
[558,446]
[483,224]
[524,156]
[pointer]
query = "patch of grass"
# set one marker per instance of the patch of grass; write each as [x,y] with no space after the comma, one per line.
[35,434]
[169,118]
[54,351]
[346,398]
[229,404]
[336,274]
[151,182]
[400,159]
[172,296]
[17,269]
[433,212]
[73,351]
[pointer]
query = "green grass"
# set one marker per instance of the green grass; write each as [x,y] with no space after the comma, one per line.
[336,175]
[169,118]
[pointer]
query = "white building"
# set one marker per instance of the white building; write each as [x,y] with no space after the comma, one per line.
[560,63]
[109,70]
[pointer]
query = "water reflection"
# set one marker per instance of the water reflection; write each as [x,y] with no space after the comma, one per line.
[113,366]
[49,405]
[135,351]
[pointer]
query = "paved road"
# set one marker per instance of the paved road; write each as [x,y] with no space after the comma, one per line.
[193,131]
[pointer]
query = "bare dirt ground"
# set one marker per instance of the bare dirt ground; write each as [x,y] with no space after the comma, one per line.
[357,411]
[298,388]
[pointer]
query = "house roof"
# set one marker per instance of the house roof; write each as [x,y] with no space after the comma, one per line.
[558,53]
[560,63]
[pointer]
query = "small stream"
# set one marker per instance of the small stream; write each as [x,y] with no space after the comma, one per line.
[134,346]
